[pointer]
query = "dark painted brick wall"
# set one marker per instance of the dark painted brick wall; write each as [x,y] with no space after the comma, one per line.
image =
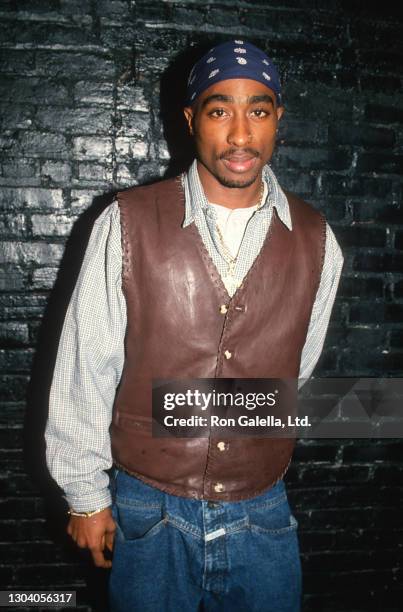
[82,113]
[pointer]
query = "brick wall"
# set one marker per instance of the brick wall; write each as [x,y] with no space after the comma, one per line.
[82,114]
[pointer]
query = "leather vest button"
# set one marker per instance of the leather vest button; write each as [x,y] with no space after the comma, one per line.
[221,446]
[223,309]
[218,487]
[227,354]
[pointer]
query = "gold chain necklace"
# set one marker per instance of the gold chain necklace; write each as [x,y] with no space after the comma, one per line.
[229,258]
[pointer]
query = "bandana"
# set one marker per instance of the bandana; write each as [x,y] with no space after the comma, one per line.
[232,60]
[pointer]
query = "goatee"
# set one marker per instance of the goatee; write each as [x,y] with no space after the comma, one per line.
[235,184]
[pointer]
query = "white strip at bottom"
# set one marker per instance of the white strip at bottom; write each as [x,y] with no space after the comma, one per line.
[214,534]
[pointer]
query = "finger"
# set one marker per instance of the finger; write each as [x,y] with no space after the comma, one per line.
[109,539]
[99,559]
[112,525]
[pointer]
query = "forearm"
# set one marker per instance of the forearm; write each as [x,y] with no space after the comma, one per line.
[79,468]
[87,371]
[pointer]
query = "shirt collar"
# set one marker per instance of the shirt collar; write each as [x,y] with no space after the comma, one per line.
[196,201]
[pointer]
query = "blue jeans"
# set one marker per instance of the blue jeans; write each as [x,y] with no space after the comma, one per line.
[177,554]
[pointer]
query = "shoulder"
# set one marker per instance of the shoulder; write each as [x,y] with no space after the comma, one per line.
[142,193]
[333,248]
[302,210]
[106,231]
[306,220]
[109,215]
[313,222]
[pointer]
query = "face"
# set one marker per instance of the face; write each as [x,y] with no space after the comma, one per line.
[234,124]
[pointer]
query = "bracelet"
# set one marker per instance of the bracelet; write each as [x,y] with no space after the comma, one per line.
[84,514]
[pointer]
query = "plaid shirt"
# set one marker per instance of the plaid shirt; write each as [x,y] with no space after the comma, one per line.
[91,349]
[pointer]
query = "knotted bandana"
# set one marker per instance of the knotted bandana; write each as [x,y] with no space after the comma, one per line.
[236,59]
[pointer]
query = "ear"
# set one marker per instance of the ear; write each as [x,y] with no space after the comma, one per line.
[280,111]
[188,112]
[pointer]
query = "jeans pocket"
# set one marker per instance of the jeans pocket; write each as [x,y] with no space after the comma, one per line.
[138,508]
[273,520]
[139,523]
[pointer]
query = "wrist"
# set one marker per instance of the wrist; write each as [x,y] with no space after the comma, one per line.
[88,514]
[80,500]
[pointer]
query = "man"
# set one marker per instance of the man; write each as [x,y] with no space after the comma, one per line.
[217,273]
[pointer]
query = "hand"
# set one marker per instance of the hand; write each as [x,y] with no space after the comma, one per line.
[96,533]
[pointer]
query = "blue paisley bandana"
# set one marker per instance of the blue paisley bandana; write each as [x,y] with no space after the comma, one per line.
[235,59]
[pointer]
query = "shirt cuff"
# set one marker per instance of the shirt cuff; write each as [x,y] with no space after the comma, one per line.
[87,503]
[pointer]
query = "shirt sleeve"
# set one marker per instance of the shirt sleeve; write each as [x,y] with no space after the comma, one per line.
[322,308]
[88,368]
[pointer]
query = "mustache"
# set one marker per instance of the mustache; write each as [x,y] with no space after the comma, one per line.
[245,151]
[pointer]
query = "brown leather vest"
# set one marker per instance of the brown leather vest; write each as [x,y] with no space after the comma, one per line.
[175,329]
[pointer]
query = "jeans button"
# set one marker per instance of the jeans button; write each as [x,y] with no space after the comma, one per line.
[212,504]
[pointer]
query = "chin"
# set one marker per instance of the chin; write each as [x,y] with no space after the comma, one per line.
[236,183]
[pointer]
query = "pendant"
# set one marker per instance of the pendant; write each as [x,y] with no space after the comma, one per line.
[231,269]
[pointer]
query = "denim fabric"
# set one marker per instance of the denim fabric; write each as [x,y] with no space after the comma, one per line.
[176,554]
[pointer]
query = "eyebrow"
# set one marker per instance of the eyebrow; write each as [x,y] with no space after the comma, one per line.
[217,98]
[261,98]
[230,99]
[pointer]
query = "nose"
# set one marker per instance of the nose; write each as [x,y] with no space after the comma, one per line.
[239,133]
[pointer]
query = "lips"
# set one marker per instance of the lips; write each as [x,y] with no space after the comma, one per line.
[239,163]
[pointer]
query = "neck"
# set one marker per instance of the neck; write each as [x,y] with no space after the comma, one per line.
[230,197]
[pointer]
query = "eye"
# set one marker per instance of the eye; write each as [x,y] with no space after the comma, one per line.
[260,113]
[217,112]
